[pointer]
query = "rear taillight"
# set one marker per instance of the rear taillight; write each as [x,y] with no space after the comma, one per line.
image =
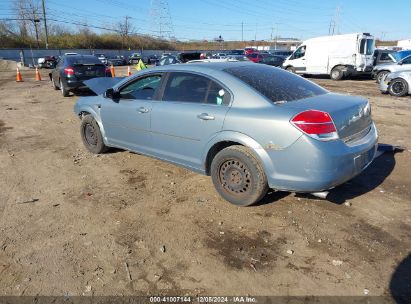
[316,124]
[69,71]
[108,71]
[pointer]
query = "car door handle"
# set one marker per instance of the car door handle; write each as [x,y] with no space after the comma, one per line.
[205,116]
[143,110]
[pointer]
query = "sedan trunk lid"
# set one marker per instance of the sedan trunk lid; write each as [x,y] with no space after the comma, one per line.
[101,84]
[351,114]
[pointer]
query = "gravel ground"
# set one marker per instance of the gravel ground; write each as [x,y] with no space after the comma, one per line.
[73,223]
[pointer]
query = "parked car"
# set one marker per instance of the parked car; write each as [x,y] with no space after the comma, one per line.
[134,58]
[283,53]
[235,52]
[381,70]
[188,56]
[382,56]
[102,58]
[72,70]
[256,57]
[273,60]
[219,56]
[167,60]
[151,59]
[338,56]
[238,57]
[250,126]
[115,61]
[397,84]
[47,62]
[248,51]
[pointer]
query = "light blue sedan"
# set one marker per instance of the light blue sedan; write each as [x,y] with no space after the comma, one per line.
[251,127]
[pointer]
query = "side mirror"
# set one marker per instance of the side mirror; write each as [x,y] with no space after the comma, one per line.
[112,94]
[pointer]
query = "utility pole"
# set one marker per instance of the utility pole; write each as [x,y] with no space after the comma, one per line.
[334,23]
[126,27]
[35,21]
[242,31]
[45,24]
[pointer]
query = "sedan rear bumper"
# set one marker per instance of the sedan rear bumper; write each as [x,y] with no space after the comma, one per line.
[310,165]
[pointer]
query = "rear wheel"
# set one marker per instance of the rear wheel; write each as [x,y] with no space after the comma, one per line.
[91,135]
[64,90]
[337,73]
[290,69]
[398,87]
[238,176]
[53,83]
[381,75]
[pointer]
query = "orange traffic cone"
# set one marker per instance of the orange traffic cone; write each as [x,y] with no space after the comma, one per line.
[128,71]
[18,76]
[112,71]
[38,77]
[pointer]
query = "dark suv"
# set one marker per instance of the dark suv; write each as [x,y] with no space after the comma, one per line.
[71,71]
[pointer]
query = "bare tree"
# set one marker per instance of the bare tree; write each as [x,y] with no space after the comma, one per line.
[125,29]
[28,11]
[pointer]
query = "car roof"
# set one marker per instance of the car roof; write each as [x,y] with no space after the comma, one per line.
[203,66]
[79,56]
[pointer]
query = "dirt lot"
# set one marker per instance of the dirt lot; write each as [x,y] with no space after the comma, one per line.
[73,223]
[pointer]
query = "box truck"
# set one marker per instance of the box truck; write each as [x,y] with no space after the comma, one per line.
[338,56]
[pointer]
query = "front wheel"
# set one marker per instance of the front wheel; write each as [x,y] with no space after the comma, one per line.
[91,135]
[398,87]
[381,75]
[238,176]
[337,73]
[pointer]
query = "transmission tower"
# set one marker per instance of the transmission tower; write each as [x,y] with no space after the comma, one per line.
[161,23]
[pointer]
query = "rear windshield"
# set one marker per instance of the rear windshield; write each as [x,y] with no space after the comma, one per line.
[83,60]
[276,84]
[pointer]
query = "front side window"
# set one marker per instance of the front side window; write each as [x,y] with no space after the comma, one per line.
[143,88]
[187,87]
[299,53]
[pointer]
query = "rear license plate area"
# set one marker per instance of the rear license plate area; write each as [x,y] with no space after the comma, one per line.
[90,73]
[364,159]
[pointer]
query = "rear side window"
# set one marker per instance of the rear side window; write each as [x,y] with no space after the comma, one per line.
[276,84]
[187,87]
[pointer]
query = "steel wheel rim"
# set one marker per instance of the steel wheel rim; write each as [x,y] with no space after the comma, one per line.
[235,177]
[335,74]
[90,135]
[398,87]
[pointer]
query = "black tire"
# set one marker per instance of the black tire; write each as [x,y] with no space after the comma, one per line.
[398,87]
[91,135]
[380,76]
[238,176]
[337,73]
[64,90]
[53,83]
[290,69]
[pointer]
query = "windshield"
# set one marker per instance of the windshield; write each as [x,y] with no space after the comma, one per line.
[276,84]
[367,46]
[398,56]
